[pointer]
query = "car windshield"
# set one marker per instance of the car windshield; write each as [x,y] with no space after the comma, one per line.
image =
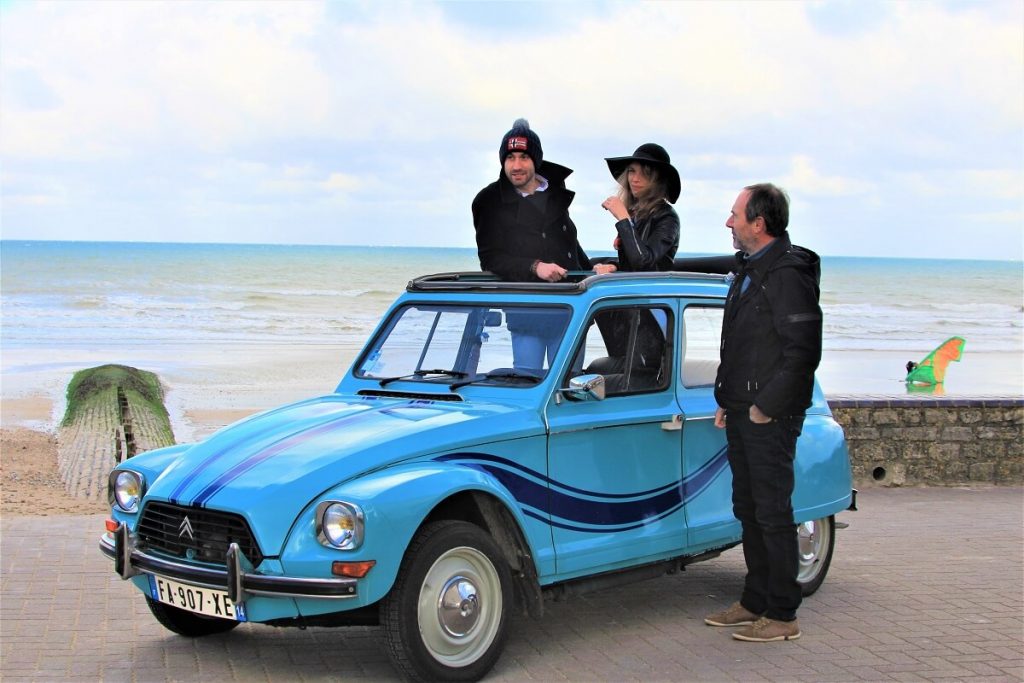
[466,344]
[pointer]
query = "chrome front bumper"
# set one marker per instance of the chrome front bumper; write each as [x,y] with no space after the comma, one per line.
[238,578]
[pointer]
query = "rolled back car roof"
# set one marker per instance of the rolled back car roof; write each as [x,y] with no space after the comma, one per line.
[694,268]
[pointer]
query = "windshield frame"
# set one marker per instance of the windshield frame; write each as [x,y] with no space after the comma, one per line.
[363,370]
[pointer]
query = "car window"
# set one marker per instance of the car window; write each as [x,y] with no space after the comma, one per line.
[447,343]
[630,346]
[702,332]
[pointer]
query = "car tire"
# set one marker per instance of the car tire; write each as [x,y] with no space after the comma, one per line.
[446,617]
[185,623]
[817,540]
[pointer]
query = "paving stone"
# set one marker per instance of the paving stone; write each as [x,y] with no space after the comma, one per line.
[906,599]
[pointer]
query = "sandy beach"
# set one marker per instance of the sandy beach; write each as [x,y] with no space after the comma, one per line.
[30,483]
[205,389]
[210,386]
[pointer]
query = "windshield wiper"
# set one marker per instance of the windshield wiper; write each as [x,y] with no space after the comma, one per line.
[422,373]
[498,374]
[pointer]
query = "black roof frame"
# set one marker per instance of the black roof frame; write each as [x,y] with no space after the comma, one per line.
[578,281]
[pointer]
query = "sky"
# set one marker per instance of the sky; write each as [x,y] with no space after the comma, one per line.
[897,128]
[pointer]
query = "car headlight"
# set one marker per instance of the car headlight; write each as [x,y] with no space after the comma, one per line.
[125,489]
[339,525]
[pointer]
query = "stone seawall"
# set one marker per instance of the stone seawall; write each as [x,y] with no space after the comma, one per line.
[915,440]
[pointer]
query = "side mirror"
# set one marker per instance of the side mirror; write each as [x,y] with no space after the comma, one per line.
[585,388]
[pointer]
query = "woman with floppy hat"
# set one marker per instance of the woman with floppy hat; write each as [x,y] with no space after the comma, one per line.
[648,226]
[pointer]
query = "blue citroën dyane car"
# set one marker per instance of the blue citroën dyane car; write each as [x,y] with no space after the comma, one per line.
[493,443]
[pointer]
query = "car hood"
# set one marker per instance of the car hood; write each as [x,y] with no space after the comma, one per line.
[272,465]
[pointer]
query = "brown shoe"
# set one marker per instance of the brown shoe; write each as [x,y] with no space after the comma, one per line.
[734,615]
[766,630]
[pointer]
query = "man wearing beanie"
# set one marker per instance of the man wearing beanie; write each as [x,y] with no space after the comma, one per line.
[523,229]
[524,234]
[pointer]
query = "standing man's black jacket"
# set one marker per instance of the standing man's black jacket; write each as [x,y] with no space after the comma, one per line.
[512,231]
[771,334]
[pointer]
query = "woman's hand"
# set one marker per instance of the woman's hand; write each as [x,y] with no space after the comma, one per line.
[616,207]
[602,268]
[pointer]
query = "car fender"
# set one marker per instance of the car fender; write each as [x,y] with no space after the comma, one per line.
[824,484]
[395,502]
[151,465]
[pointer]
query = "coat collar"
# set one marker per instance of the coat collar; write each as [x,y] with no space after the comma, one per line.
[554,173]
[761,264]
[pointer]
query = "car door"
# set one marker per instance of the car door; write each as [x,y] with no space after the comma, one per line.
[707,479]
[614,464]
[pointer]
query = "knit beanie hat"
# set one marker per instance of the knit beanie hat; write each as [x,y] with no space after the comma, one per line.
[521,139]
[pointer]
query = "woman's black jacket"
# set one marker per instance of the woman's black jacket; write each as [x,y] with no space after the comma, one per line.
[649,243]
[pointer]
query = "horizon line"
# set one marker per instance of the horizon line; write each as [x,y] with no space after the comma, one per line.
[461,248]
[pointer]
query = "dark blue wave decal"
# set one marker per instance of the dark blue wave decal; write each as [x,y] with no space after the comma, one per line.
[267,453]
[562,506]
[505,462]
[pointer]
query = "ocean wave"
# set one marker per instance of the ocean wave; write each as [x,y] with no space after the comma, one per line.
[289,293]
[997,310]
[89,303]
[192,294]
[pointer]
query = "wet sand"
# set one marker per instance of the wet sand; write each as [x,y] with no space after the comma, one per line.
[210,387]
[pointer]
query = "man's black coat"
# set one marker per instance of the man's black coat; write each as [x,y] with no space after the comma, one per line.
[771,333]
[512,232]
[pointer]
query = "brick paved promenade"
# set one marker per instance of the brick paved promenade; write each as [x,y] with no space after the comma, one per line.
[926,584]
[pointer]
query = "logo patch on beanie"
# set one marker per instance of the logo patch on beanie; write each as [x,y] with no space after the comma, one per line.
[516,144]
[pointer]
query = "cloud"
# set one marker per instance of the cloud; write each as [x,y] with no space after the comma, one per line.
[806,179]
[217,74]
[219,111]
[982,185]
[340,182]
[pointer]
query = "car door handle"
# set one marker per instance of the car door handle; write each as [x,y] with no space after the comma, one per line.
[673,425]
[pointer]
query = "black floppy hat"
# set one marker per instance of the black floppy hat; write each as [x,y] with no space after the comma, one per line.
[652,155]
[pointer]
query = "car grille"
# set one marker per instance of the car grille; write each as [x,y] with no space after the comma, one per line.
[204,537]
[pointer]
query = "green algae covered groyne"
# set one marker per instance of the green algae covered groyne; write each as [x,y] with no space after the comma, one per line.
[113,412]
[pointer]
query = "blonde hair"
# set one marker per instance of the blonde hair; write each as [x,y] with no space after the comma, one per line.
[657,196]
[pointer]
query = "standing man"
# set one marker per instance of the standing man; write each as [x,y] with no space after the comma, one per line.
[771,346]
[524,234]
[523,229]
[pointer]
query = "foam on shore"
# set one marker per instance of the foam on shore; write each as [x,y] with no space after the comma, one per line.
[210,386]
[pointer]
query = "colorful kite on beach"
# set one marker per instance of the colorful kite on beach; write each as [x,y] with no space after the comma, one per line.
[932,370]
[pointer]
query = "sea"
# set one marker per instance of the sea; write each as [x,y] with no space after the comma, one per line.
[108,296]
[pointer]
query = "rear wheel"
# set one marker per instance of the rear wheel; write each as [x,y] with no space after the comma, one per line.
[446,616]
[185,623]
[817,539]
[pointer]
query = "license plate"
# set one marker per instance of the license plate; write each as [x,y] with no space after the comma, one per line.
[205,601]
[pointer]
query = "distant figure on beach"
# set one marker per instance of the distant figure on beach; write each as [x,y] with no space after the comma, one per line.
[523,229]
[648,227]
[770,348]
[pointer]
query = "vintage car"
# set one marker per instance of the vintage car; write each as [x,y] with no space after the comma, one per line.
[493,444]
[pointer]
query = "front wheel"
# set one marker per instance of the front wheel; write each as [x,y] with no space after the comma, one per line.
[185,623]
[817,540]
[445,617]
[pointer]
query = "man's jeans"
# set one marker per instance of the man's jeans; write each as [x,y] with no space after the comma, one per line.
[761,458]
[529,350]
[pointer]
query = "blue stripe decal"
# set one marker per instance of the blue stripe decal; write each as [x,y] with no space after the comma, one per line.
[568,507]
[205,464]
[267,453]
[249,463]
